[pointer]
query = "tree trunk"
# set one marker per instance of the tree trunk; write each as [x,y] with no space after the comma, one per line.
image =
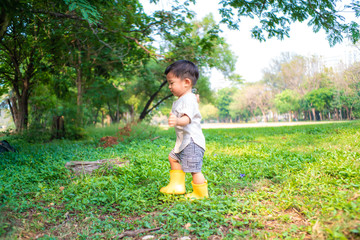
[96,115]
[24,110]
[313,112]
[13,108]
[252,113]
[102,118]
[4,21]
[347,112]
[58,127]
[264,116]
[112,116]
[19,109]
[275,118]
[79,86]
[290,116]
[305,116]
[336,111]
[296,115]
[341,118]
[132,113]
[117,108]
[320,114]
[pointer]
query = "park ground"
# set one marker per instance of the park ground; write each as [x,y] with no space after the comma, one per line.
[265,182]
[262,124]
[258,124]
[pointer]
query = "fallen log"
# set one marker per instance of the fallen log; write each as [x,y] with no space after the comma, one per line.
[86,167]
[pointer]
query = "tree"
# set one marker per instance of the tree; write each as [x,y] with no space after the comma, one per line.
[197,41]
[25,54]
[40,34]
[21,61]
[79,10]
[261,96]
[223,101]
[250,98]
[297,73]
[350,86]
[243,104]
[275,17]
[112,51]
[293,74]
[320,99]
[272,75]
[287,102]
[209,111]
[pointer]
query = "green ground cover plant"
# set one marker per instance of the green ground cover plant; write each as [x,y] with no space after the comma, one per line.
[299,182]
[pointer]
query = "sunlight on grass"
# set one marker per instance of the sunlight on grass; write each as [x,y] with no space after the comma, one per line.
[299,182]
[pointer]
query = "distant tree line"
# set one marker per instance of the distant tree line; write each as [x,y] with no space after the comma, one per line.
[293,88]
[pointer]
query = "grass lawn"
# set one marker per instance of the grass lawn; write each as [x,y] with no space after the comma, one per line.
[298,182]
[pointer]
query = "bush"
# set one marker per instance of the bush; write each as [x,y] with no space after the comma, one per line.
[74,133]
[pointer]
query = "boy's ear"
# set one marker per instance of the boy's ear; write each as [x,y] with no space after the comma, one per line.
[188,81]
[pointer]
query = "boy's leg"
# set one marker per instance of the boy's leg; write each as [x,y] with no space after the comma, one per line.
[200,187]
[177,179]
[174,164]
[198,178]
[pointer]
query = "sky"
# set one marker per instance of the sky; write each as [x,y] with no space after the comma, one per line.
[254,56]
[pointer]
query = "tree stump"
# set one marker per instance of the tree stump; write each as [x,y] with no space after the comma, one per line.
[87,167]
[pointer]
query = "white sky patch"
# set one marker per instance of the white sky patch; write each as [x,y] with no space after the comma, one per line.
[254,56]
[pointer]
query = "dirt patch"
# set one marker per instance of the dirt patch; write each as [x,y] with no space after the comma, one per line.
[108,141]
[290,221]
[271,221]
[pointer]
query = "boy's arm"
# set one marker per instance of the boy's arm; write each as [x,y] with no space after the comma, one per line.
[174,121]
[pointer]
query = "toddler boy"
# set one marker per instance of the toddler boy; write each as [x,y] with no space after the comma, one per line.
[188,153]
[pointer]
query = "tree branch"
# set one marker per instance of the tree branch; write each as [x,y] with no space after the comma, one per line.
[146,50]
[319,14]
[152,97]
[75,17]
[158,103]
[95,33]
[58,15]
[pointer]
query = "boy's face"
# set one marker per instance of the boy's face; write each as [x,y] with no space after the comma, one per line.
[178,86]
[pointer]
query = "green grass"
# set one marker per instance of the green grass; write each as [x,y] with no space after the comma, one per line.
[298,182]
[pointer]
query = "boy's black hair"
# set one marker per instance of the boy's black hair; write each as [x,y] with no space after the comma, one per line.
[184,69]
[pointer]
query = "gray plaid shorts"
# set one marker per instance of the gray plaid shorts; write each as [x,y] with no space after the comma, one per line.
[191,158]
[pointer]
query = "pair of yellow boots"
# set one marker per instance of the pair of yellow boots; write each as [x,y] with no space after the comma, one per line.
[177,186]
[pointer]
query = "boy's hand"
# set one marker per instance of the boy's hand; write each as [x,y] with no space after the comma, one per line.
[172,120]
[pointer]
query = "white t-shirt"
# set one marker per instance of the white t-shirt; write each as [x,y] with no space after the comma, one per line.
[188,105]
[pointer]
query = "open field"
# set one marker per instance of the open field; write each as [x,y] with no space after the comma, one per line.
[260,124]
[288,182]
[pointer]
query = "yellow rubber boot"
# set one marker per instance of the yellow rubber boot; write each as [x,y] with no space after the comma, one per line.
[177,183]
[199,191]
